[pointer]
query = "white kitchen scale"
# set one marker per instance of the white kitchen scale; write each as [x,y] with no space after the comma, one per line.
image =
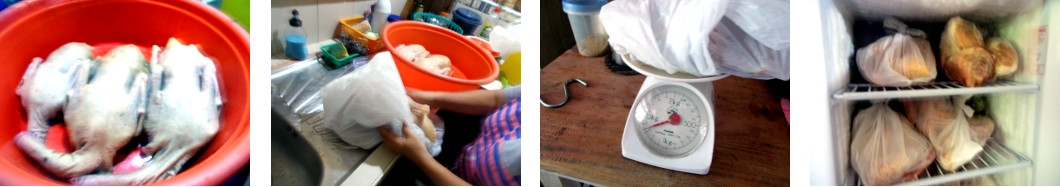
[671,123]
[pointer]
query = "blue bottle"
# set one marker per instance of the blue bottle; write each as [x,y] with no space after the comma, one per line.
[294,39]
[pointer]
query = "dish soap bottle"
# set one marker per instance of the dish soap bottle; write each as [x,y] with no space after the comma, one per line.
[379,14]
[294,39]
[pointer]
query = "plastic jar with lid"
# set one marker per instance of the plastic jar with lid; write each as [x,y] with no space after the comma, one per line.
[467,19]
[584,16]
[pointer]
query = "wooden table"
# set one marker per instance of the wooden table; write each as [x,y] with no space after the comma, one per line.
[582,139]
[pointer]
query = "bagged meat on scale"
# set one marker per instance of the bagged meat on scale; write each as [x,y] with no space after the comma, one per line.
[752,40]
[902,59]
[886,148]
[690,37]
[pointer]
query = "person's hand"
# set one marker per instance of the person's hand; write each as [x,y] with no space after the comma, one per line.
[409,146]
[419,96]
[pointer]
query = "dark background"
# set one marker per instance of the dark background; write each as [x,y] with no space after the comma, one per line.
[556,34]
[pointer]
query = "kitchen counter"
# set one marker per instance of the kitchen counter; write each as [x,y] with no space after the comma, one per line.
[582,139]
[280,60]
[312,50]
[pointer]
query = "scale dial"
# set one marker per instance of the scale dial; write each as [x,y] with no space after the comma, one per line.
[670,120]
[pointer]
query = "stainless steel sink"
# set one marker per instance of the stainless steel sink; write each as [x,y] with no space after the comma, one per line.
[304,152]
[294,161]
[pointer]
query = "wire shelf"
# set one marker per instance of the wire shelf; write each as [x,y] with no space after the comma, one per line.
[994,158]
[870,91]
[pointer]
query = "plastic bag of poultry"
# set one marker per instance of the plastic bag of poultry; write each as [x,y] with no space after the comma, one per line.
[902,59]
[982,128]
[944,120]
[369,97]
[739,54]
[886,148]
[752,41]
[764,20]
[665,34]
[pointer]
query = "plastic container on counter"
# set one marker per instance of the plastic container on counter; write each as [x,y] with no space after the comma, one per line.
[374,45]
[294,39]
[469,20]
[332,61]
[437,20]
[589,34]
[380,12]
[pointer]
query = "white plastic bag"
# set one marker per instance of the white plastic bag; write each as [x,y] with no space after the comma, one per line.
[886,148]
[739,54]
[505,41]
[369,97]
[902,59]
[670,35]
[764,20]
[944,120]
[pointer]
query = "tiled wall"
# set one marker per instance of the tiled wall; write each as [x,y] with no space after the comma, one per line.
[319,17]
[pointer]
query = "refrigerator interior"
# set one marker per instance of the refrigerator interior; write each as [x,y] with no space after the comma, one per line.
[1015,105]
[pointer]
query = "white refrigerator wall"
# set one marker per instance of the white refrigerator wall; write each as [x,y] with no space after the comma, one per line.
[819,138]
[838,48]
[1025,120]
[1047,166]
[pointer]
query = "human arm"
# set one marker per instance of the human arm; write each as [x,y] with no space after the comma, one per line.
[474,102]
[412,148]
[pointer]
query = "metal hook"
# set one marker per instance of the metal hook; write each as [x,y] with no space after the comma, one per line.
[566,93]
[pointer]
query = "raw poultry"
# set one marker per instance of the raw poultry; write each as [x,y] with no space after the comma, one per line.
[45,84]
[101,114]
[182,116]
[435,63]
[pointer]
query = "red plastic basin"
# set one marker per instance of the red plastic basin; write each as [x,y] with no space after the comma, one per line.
[472,65]
[34,28]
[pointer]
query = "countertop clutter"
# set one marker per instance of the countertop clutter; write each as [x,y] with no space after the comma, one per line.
[581,140]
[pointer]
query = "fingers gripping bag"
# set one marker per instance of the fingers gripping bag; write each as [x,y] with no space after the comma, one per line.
[369,97]
[669,35]
[902,59]
[886,148]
